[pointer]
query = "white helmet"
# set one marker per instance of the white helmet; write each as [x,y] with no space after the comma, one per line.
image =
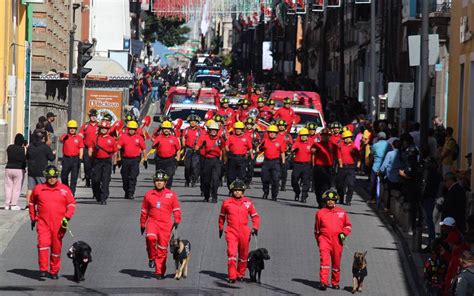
[214,126]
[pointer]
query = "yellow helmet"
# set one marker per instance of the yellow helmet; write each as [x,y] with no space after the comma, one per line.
[166,124]
[132,125]
[303,132]
[239,125]
[272,129]
[209,122]
[346,134]
[72,124]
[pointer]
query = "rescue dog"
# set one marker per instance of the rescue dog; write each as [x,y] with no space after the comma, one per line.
[255,263]
[359,271]
[80,253]
[181,250]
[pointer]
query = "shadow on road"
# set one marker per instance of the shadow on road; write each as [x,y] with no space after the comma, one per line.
[144,274]
[217,275]
[296,205]
[312,284]
[16,289]
[28,273]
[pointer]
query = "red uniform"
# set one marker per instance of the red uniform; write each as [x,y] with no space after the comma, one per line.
[265,113]
[72,144]
[139,131]
[253,135]
[166,146]
[237,232]
[132,145]
[191,136]
[325,154]
[239,145]
[242,114]
[157,208]
[302,151]
[284,139]
[348,153]
[227,113]
[89,132]
[336,139]
[211,146]
[272,149]
[287,114]
[104,146]
[329,224]
[48,206]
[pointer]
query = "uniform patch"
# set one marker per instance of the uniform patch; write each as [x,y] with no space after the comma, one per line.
[168,195]
[171,141]
[247,204]
[158,204]
[308,147]
[244,140]
[76,141]
[340,215]
[137,141]
[63,191]
[277,144]
[109,141]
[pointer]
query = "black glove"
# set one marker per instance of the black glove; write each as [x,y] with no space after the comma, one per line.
[220,233]
[145,164]
[65,138]
[33,224]
[142,230]
[254,231]
[175,225]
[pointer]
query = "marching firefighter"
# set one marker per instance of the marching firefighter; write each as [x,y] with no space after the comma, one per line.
[132,147]
[331,228]
[51,206]
[302,163]
[167,147]
[212,150]
[335,138]
[274,154]
[349,161]
[285,139]
[237,147]
[264,111]
[243,111]
[254,137]
[312,137]
[157,207]
[271,106]
[236,210]
[189,139]
[89,131]
[224,110]
[103,148]
[73,152]
[286,113]
[325,153]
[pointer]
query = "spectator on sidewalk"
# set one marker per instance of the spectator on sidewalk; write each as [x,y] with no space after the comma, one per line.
[435,268]
[50,116]
[37,156]
[390,167]
[15,172]
[415,134]
[378,151]
[464,176]
[439,130]
[464,283]
[454,201]
[432,144]
[457,246]
[448,152]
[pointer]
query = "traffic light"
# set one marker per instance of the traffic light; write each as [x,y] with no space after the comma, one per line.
[83,56]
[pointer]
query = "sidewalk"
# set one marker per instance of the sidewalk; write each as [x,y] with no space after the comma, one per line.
[10,221]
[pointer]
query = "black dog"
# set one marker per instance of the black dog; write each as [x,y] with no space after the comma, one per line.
[255,263]
[80,253]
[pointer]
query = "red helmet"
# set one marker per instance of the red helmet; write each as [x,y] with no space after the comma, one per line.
[104,124]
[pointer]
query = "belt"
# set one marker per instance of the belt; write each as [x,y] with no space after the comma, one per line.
[107,158]
[238,155]
[214,157]
[348,165]
[271,159]
[130,157]
[164,158]
[302,162]
[65,156]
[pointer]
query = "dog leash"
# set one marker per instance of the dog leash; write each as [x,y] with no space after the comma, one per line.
[256,242]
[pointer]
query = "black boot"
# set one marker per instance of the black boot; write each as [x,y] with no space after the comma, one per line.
[297,197]
[265,195]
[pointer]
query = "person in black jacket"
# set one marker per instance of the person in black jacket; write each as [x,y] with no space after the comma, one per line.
[14,172]
[454,201]
[37,155]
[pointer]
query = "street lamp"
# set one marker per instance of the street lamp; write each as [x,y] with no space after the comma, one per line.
[72,32]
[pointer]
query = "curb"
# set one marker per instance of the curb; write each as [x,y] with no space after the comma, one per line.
[415,283]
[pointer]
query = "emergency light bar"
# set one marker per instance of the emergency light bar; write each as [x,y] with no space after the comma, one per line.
[208,72]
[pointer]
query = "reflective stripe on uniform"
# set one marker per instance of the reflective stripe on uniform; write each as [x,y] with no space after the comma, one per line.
[56,255]
[177,209]
[241,260]
[71,205]
[253,215]
[232,259]
[151,234]
[161,247]
[325,267]
[43,248]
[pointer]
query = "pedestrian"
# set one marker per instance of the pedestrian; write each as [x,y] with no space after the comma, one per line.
[50,117]
[349,161]
[302,165]
[158,205]
[454,201]
[88,131]
[37,156]
[285,140]
[212,151]
[167,147]
[390,168]
[457,245]
[73,152]
[103,149]
[51,207]
[440,131]
[189,139]
[236,211]
[238,146]
[435,267]
[464,283]
[132,149]
[378,152]
[331,228]
[274,156]
[449,151]
[325,153]
[15,172]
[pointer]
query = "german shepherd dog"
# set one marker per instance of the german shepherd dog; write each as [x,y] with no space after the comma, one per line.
[359,271]
[181,250]
[255,263]
[80,253]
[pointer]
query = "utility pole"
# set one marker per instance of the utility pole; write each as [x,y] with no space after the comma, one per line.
[72,12]
[424,81]
[373,101]
[342,70]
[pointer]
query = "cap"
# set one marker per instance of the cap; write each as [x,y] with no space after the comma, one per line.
[392,139]
[382,135]
[50,114]
[448,221]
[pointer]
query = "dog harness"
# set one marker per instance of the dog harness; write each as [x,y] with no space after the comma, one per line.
[185,253]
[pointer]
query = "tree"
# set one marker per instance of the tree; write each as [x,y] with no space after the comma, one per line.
[169,31]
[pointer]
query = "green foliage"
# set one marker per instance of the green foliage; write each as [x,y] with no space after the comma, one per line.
[226,60]
[169,31]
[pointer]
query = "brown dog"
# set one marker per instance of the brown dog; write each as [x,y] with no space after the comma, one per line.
[359,271]
[181,250]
